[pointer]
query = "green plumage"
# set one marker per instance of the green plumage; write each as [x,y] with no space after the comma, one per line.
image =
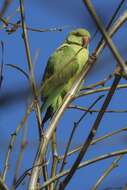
[61,70]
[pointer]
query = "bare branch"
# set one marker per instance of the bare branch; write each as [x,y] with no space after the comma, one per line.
[120,86]
[19,69]
[3,185]
[99,83]
[55,158]
[15,26]
[111,45]
[86,163]
[2,64]
[96,141]
[12,141]
[30,66]
[95,110]
[20,156]
[91,134]
[113,165]
[76,125]
[5,7]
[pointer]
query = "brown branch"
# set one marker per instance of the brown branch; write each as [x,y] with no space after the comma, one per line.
[99,83]
[102,42]
[5,7]
[69,153]
[45,173]
[20,156]
[32,79]
[120,86]
[26,173]
[95,110]
[2,63]
[30,66]
[12,141]
[96,141]
[15,26]
[113,165]
[107,38]
[19,69]
[55,159]
[2,185]
[91,134]
[84,164]
[76,125]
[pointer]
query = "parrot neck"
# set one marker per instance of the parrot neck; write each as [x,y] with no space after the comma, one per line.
[72,43]
[75,44]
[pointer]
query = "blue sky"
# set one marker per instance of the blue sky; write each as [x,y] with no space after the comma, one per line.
[14,95]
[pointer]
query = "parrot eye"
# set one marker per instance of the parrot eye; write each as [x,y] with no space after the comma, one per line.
[85,41]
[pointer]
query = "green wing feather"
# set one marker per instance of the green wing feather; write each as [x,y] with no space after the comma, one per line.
[61,67]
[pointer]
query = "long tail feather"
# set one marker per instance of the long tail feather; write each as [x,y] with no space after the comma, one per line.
[48,115]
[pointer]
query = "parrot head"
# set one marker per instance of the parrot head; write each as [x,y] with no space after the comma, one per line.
[79,37]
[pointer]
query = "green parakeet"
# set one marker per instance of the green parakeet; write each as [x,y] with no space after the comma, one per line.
[62,68]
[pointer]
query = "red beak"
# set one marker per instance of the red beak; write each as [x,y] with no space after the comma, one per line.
[85,41]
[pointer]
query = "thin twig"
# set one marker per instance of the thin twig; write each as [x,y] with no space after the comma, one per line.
[113,165]
[76,125]
[31,76]
[84,164]
[36,56]
[95,110]
[12,141]
[111,45]
[26,173]
[99,139]
[99,90]
[19,69]
[30,66]
[2,63]
[55,158]
[101,43]
[73,151]
[5,7]
[20,156]
[17,25]
[108,135]
[2,185]
[114,188]
[100,83]
[6,20]
[115,14]
[55,29]
[45,173]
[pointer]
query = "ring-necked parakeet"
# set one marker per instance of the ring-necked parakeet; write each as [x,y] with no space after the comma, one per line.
[62,68]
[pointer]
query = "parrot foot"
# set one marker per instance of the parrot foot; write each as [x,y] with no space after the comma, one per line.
[93,57]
